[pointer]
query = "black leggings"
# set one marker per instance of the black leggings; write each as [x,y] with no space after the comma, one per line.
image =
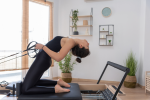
[32,83]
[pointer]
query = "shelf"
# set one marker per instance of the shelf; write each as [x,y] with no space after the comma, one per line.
[80,35]
[83,16]
[89,25]
[104,31]
[83,26]
[106,45]
[109,35]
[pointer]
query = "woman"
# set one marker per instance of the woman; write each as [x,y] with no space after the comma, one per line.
[56,49]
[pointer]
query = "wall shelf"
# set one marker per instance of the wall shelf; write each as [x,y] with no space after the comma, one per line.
[83,16]
[109,35]
[104,31]
[80,35]
[106,35]
[83,28]
[106,45]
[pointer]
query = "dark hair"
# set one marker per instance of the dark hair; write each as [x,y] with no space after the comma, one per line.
[80,52]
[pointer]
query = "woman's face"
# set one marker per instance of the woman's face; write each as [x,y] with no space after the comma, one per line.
[84,44]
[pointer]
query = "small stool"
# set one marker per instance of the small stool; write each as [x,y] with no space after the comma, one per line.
[147,81]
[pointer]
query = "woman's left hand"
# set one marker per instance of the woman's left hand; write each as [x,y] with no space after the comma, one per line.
[39,46]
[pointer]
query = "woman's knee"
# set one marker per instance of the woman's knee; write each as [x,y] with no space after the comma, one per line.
[24,90]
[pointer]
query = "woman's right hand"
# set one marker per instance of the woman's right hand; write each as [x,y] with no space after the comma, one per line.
[39,46]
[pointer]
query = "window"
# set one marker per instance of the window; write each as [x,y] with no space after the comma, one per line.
[10,39]
[38,26]
[14,38]
[10,76]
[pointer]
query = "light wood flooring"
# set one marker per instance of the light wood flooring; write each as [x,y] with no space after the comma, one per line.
[131,94]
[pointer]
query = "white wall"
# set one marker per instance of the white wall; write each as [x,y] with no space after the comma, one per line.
[126,19]
[54,70]
[140,72]
[146,64]
[131,24]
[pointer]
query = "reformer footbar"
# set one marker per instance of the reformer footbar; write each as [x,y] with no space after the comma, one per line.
[30,49]
[119,67]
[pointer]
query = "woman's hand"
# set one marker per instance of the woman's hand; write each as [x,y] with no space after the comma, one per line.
[39,46]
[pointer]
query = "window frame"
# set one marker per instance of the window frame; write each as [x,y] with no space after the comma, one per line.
[25,34]
[25,30]
[25,27]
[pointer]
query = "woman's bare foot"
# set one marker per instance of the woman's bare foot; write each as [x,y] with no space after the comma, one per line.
[62,83]
[59,89]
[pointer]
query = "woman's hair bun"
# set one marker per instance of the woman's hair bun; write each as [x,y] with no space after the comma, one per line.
[78,60]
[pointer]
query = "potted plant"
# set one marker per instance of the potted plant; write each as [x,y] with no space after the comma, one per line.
[74,21]
[131,63]
[109,42]
[66,67]
[103,29]
[110,32]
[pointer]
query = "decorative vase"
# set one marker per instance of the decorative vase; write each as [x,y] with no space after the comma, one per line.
[109,43]
[87,32]
[85,22]
[130,81]
[67,77]
[75,33]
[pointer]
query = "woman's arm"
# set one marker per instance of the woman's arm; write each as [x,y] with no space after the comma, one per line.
[62,53]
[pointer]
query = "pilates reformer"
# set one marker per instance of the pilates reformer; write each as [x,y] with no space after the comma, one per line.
[82,91]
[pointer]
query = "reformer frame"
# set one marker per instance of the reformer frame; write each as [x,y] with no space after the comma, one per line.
[120,67]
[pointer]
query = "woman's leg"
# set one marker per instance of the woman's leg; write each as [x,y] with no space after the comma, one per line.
[46,82]
[38,67]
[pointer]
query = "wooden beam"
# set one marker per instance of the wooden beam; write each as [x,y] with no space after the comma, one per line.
[51,25]
[13,69]
[25,31]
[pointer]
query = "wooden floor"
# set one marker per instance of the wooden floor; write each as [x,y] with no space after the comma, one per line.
[131,94]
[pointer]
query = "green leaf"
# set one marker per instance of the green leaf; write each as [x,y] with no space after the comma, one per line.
[131,63]
[75,19]
[65,65]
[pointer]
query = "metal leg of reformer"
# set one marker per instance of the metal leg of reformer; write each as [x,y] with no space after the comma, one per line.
[93,96]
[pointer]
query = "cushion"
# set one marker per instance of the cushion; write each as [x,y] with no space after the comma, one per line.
[74,94]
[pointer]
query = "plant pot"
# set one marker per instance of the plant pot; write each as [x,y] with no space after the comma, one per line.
[130,81]
[66,77]
[75,33]
[109,43]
